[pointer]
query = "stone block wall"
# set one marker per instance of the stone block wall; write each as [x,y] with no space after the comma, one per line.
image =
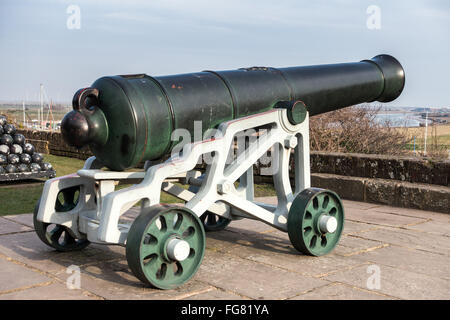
[408,169]
[51,142]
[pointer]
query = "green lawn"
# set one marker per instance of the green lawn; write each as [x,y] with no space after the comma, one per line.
[21,198]
[15,200]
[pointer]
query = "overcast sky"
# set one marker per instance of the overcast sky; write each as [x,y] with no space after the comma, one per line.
[161,37]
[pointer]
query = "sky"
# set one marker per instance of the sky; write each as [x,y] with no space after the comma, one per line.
[43,41]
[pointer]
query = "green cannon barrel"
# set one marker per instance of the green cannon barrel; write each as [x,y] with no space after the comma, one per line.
[130,118]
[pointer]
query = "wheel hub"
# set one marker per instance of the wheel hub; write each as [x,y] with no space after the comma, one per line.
[177,249]
[327,224]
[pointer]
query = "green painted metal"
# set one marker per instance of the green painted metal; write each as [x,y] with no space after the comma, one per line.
[57,236]
[128,119]
[303,221]
[296,110]
[213,222]
[147,241]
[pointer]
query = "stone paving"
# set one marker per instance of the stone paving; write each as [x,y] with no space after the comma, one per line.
[408,249]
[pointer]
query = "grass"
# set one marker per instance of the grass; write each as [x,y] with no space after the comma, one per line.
[22,197]
[15,200]
[439,135]
[438,140]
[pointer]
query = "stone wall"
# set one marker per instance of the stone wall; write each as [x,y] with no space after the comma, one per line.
[406,169]
[388,192]
[51,142]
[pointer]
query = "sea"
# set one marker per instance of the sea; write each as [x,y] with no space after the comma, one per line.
[406,119]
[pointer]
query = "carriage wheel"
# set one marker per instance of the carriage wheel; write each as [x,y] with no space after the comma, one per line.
[57,236]
[165,246]
[315,221]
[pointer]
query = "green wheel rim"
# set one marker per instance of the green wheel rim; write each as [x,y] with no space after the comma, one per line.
[213,222]
[303,221]
[146,247]
[57,236]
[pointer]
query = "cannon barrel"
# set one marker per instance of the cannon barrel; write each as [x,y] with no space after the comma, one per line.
[130,118]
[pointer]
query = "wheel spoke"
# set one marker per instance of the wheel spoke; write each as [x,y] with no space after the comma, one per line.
[155,231]
[153,265]
[324,240]
[331,204]
[56,233]
[187,263]
[307,223]
[184,225]
[68,239]
[180,269]
[333,211]
[149,249]
[192,240]
[311,209]
[320,200]
[312,243]
[170,218]
[211,219]
[308,235]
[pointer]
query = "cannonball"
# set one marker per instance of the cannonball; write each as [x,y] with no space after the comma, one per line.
[15,148]
[2,170]
[35,167]
[3,120]
[19,139]
[6,139]
[25,158]
[13,158]
[3,160]
[28,148]
[1,130]
[45,166]
[23,168]
[4,149]
[9,129]
[37,157]
[10,168]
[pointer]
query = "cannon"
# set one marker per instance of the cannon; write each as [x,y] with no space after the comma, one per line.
[130,119]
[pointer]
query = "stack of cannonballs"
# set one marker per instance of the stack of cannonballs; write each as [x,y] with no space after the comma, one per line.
[16,156]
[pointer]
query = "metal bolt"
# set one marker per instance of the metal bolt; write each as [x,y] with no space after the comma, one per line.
[290,142]
[224,187]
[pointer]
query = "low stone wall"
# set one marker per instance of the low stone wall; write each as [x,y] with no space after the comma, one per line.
[388,192]
[51,142]
[406,169]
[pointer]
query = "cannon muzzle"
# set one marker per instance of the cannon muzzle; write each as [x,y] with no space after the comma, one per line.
[130,118]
